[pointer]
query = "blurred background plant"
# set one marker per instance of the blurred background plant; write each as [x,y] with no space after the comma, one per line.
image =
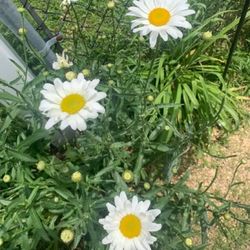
[161,103]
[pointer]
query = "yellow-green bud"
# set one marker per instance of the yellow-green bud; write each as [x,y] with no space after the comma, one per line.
[188,242]
[110,82]
[6,178]
[103,37]
[150,98]
[70,75]
[1,241]
[20,9]
[128,176]
[56,199]
[146,186]
[45,73]
[166,128]
[141,39]
[76,177]
[109,65]
[227,216]
[22,31]
[86,72]
[243,161]
[119,71]
[67,236]
[207,35]
[111,4]
[40,165]
[174,170]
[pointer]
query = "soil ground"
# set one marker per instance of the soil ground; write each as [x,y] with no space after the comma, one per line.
[232,152]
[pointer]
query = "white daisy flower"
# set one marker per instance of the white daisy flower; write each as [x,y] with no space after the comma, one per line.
[71,103]
[61,62]
[160,17]
[67,2]
[129,224]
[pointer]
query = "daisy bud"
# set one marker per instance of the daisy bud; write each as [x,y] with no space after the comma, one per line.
[6,178]
[146,186]
[128,176]
[70,75]
[166,128]
[103,37]
[192,52]
[40,165]
[22,31]
[56,199]
[150,98]
[174,170]
[1,241]
[110,82]
[227,216]
[188,242]
[20,9]
[45,73]
[76,177]
[109,65]
[67,236]
[111,4]
[141,39]
[119,71]
[243,161]
[86,72]
[207,35]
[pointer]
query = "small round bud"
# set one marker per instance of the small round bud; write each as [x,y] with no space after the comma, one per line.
[110,82]
[166,128]
[67,236]
[70,75]
[128,176]
[56,199]
[6,178]
[20,9]
[188,242]
[109,65]
[174,170]
[86,72]
[76,177]
[103,37]
[111,4]
[22,31]
[243,161]
[40,165]
[45,73]
[119,71]
[141,39]
[146,186]
[207,35]
[150,98]
[192,52]
[227,216]
[1,241]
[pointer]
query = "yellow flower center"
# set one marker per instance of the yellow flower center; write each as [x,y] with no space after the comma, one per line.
[73,103]
[159,16]
[130,226]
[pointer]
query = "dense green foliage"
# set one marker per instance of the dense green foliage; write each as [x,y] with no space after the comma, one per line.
[160,102]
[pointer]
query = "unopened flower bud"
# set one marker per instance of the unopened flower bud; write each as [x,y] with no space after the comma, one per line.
[207,35]
[40,165]
[111,4]
[146,186]
[76,177]
[188,242]
[6,178]
[86,72]
[128,176]
[22,31]
[67,236]
[70,75]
